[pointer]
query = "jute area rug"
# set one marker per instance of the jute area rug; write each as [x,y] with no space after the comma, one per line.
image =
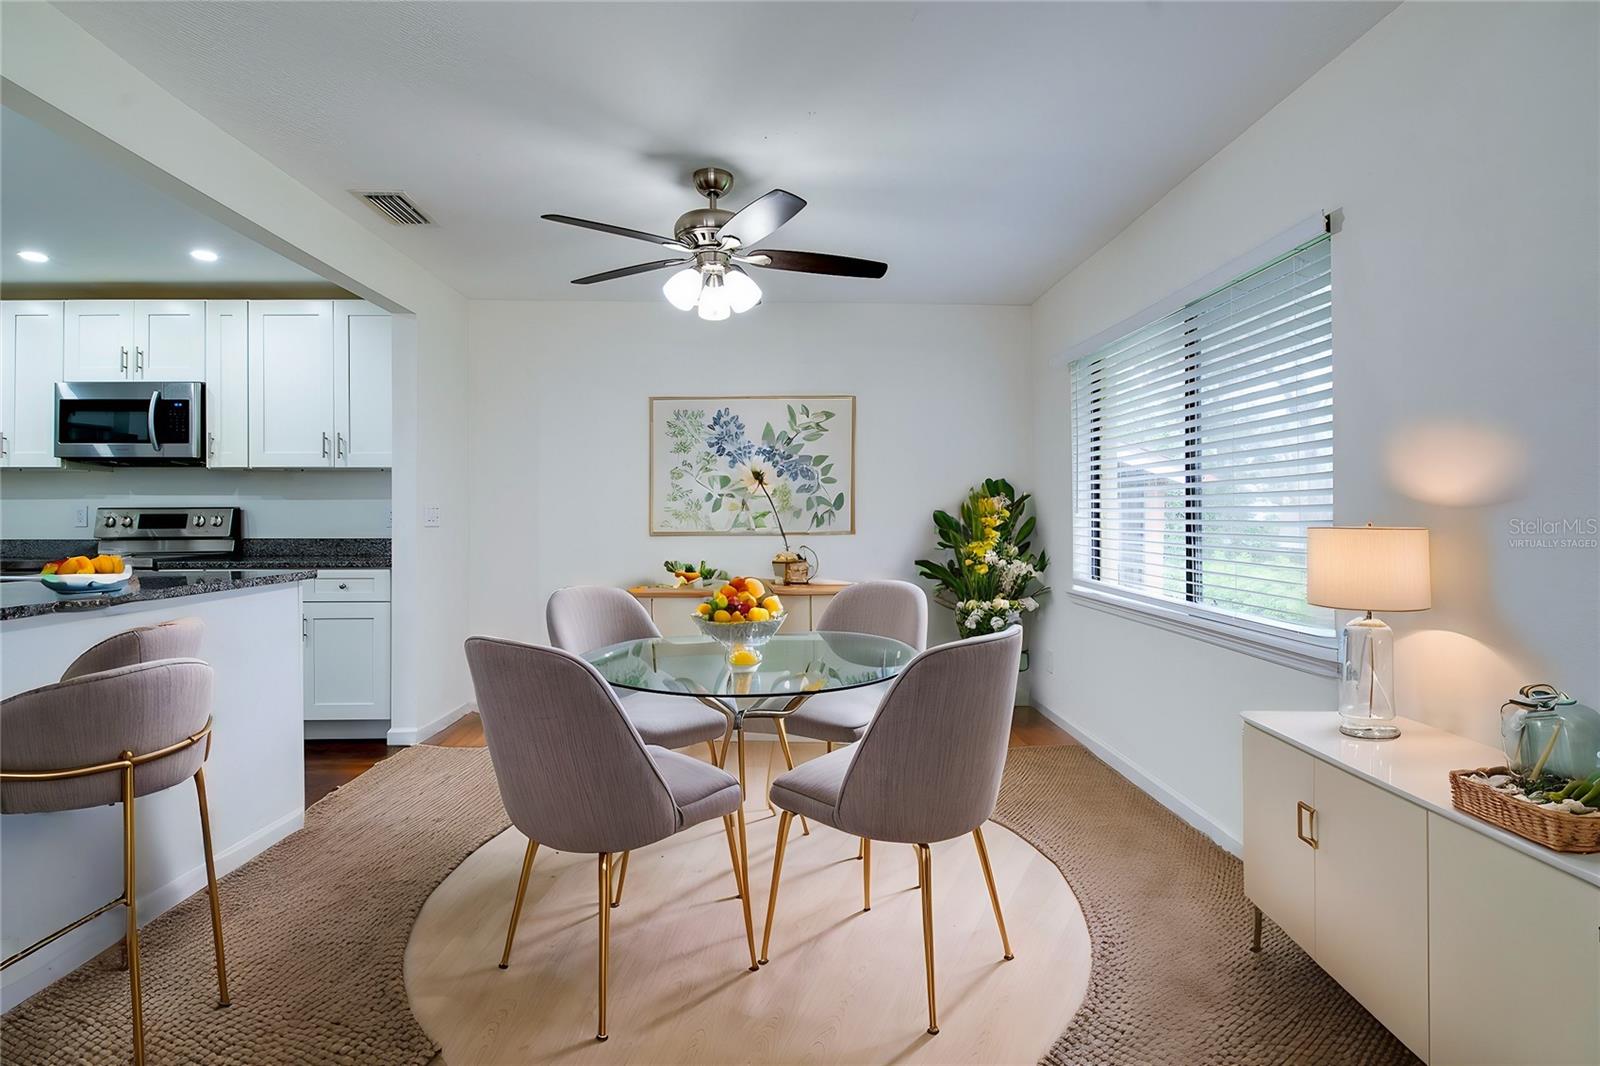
[316,930]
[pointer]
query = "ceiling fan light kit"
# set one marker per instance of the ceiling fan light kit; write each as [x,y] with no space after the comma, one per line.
[717,244]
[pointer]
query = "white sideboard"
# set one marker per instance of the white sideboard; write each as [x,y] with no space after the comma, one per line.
[1470,944]
[671,608]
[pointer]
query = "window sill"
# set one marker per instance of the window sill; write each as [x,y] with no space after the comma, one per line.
[1306,654]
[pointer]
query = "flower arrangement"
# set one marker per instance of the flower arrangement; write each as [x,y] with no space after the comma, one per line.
[991,579]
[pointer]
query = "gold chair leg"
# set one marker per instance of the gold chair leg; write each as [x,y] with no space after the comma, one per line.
[788,760]
[605,936]
[1255,941]
[861,849]
[866,874]
[914,847]
[784,818]
[622,879]
[925,872]
[711,746]
[516,908]
[994,897]
[211,889]
[744,897]
[744,840]
[830,747]
[733,855]
[130,892]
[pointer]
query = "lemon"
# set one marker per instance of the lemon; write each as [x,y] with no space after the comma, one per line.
[759,614]
[744,657]
[703,610]
[722,616]
[773,605]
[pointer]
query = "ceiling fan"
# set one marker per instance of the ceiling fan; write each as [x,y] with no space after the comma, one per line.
[714,246]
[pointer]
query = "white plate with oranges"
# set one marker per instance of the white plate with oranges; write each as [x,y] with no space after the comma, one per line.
[81,573]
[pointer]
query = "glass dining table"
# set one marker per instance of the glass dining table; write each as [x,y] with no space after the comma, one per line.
[793,668]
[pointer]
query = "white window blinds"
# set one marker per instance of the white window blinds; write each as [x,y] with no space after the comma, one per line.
[1203,448]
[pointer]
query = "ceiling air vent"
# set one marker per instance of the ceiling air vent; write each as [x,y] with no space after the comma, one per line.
[395,208]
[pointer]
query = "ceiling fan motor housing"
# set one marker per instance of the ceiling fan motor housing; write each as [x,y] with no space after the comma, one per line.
[700,225]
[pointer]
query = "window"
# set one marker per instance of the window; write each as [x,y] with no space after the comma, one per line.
[1202,449]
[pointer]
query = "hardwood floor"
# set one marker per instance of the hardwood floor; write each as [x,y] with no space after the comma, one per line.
[331,763]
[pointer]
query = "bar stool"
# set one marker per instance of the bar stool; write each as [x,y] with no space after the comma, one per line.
[134,730]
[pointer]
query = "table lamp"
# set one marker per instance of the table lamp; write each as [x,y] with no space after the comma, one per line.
[1367,568]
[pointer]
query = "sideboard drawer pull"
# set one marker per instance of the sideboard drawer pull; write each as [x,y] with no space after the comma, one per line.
[1309,815]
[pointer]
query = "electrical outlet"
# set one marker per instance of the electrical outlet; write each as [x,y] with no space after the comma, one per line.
[80,516]
[388,517]
[430,516]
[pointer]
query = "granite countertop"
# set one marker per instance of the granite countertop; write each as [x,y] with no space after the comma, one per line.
[28,598]
[266,553]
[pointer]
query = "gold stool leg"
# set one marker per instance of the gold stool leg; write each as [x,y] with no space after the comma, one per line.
[925,870]
[605,935]
[994,897]
[211,887]
[788,759]
[130,891]
[744,840]
[866,874]
[744,897]
[784,819]
[622,879]
[516,908]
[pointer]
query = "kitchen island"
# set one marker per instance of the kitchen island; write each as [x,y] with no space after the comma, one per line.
[55,867]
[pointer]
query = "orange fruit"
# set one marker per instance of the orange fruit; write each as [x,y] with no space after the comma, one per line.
[722,616]
[773,604]
[755,588]
[703,610]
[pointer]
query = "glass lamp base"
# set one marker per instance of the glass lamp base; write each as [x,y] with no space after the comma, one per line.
[1366,680]
[1368,728]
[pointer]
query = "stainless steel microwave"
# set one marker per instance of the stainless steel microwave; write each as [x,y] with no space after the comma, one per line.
[142,422]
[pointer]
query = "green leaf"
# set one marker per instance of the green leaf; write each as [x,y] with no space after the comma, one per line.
[838,501]
[767,434]
[716,505]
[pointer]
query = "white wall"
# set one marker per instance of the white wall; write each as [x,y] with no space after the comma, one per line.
[559,449]
[276,503]
[59,75]
[1460,142]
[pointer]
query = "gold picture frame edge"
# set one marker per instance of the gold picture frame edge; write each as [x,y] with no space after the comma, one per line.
[650,468]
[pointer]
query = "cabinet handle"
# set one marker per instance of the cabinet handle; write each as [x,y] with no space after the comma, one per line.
[324,445]
[338,439]
[124,360]
[1309,814]
[138,359]
[305,629]
[2,445]
[211,445]
[343,586]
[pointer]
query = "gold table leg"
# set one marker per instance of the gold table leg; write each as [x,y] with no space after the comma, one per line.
[925,872]
[130,891]
[211,888]
[994,897]
[605,935]
[788,759]
[866,874]
[516,908]
[777,871]
[744,840]
[744,897]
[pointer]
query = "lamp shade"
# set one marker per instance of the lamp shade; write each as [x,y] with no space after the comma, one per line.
[1367,568]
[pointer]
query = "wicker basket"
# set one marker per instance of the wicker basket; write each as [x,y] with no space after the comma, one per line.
[1556,830]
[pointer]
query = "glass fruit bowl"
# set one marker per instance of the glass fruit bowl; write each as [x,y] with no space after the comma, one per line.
[742,640]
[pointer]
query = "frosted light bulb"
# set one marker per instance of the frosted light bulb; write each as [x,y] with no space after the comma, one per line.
[743,292]
[683,289]
[714,302]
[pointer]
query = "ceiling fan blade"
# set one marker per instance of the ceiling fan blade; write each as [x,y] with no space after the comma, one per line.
[761,217]
[638,268]
[816,263]
[620,231]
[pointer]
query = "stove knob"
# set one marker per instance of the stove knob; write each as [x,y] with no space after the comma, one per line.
[127,521]
[216,520]
[111,520]
[199,519]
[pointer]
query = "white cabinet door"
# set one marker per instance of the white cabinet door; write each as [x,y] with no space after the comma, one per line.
[291,383]
[1372,899]
[1514,953]
[30,366]
[346,661]
[1279,866]
[169,340]
[362,400]
[227,374]
[99,340]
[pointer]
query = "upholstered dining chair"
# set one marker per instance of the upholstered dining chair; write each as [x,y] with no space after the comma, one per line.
[581,618]
[109,736]
[927,769]
[575,774]
[177,639]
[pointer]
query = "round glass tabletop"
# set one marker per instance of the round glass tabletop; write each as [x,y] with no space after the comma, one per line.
[790,664]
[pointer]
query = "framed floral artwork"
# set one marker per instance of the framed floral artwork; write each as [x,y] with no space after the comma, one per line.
[752,465]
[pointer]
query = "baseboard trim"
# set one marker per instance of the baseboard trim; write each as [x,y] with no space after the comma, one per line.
[70,952]
[1163,795]
[405,738]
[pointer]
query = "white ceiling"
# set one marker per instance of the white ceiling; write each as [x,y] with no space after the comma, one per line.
[100,225]
[981,149]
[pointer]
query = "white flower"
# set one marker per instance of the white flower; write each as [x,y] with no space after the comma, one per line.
[990,557]
[757,477]
[999,603]
[997,622]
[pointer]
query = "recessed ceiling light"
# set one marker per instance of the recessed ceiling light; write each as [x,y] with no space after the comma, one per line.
[30,256]
[205,255]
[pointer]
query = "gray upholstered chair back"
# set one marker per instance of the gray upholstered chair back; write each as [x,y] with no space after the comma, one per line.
[573,772]
[896,609]
[178,639]
[93,719]
[929,765]
[585,617]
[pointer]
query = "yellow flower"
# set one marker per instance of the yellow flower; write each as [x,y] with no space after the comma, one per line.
[982,568]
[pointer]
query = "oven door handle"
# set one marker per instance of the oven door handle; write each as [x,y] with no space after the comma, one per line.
[155,398]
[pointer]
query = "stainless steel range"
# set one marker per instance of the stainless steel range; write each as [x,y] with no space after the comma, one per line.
[154,536]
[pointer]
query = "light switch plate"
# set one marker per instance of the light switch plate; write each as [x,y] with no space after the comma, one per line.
[430,516]
[80,516]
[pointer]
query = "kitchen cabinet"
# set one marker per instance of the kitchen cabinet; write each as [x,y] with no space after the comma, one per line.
[1279,863]
[30,366]
[227,377]
[291,383]
[346,630]
[362,385]
[169,340]
[98,341]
